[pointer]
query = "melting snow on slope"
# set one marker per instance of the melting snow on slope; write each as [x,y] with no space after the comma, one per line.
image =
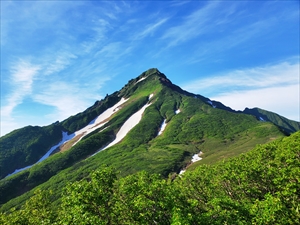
[143,78]
[195,158]
[99,121]
[261,119]
[177,111]
[211,104]
[162,127]
[93,125]
[65,139]
[127,126]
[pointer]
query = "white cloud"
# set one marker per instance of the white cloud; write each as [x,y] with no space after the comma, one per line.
[195,24]
[67,98]
[281,100]
[22,76]
[60,62]
[150,29]
[271,87]
[280,74]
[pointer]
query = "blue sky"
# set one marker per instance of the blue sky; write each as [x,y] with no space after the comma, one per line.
[59,57]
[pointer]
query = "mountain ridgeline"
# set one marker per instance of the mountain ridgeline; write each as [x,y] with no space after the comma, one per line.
[123,131]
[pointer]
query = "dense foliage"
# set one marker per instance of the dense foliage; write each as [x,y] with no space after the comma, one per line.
[259,187]
[198,127]
[24,147]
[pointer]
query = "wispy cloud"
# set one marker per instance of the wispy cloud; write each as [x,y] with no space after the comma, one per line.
[193,25]
[281,74]
[281,100]
[150,29]
[60,62]
[22,76]
[255,87]
[76,99]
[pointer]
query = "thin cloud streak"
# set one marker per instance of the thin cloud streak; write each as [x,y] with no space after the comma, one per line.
[22,75]
[194,25]
[150,29]
[287,100]
[86,44]
[281,74]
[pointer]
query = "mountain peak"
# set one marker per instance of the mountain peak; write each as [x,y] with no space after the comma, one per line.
[150,72]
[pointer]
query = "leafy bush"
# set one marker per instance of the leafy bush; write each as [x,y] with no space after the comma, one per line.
[259,187]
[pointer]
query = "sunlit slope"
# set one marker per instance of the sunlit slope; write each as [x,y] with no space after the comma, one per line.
[193,125]
[25,146]
[286,125]
[258,187]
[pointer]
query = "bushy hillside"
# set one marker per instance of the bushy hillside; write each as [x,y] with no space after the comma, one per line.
[259,187]
[193,124]
[26,146]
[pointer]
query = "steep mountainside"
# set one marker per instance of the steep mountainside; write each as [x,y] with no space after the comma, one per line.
[258,187]
[288,126]
[150,124]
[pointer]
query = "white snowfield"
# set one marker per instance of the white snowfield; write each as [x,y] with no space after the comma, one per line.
[211,104]
[93,125]
[164,124]
[195,158]
[261,119]
[99,121]
[130,123]
[162,127]
[143,78]
[65,139]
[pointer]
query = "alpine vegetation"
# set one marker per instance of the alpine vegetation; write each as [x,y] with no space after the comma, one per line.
[153,153]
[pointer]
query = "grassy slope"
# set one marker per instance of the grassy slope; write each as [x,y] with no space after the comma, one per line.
[198,126]
[288,126]
[258,187]
[25,146]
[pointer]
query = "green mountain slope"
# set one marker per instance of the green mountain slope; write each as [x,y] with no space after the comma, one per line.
[194,124]
[288,126]
[259,187]
[26,146]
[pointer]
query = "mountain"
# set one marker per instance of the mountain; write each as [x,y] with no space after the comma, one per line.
[258,187]
[286,125]
[150,124]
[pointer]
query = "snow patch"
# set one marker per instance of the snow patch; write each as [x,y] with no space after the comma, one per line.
[261,119]
[177,111]
[99,121]
[19,170]
[195,158]
[65,139]
[143,78]
[210,102]
[150,96]
[162,127]
[93,125]
[181,172]
[130,123]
